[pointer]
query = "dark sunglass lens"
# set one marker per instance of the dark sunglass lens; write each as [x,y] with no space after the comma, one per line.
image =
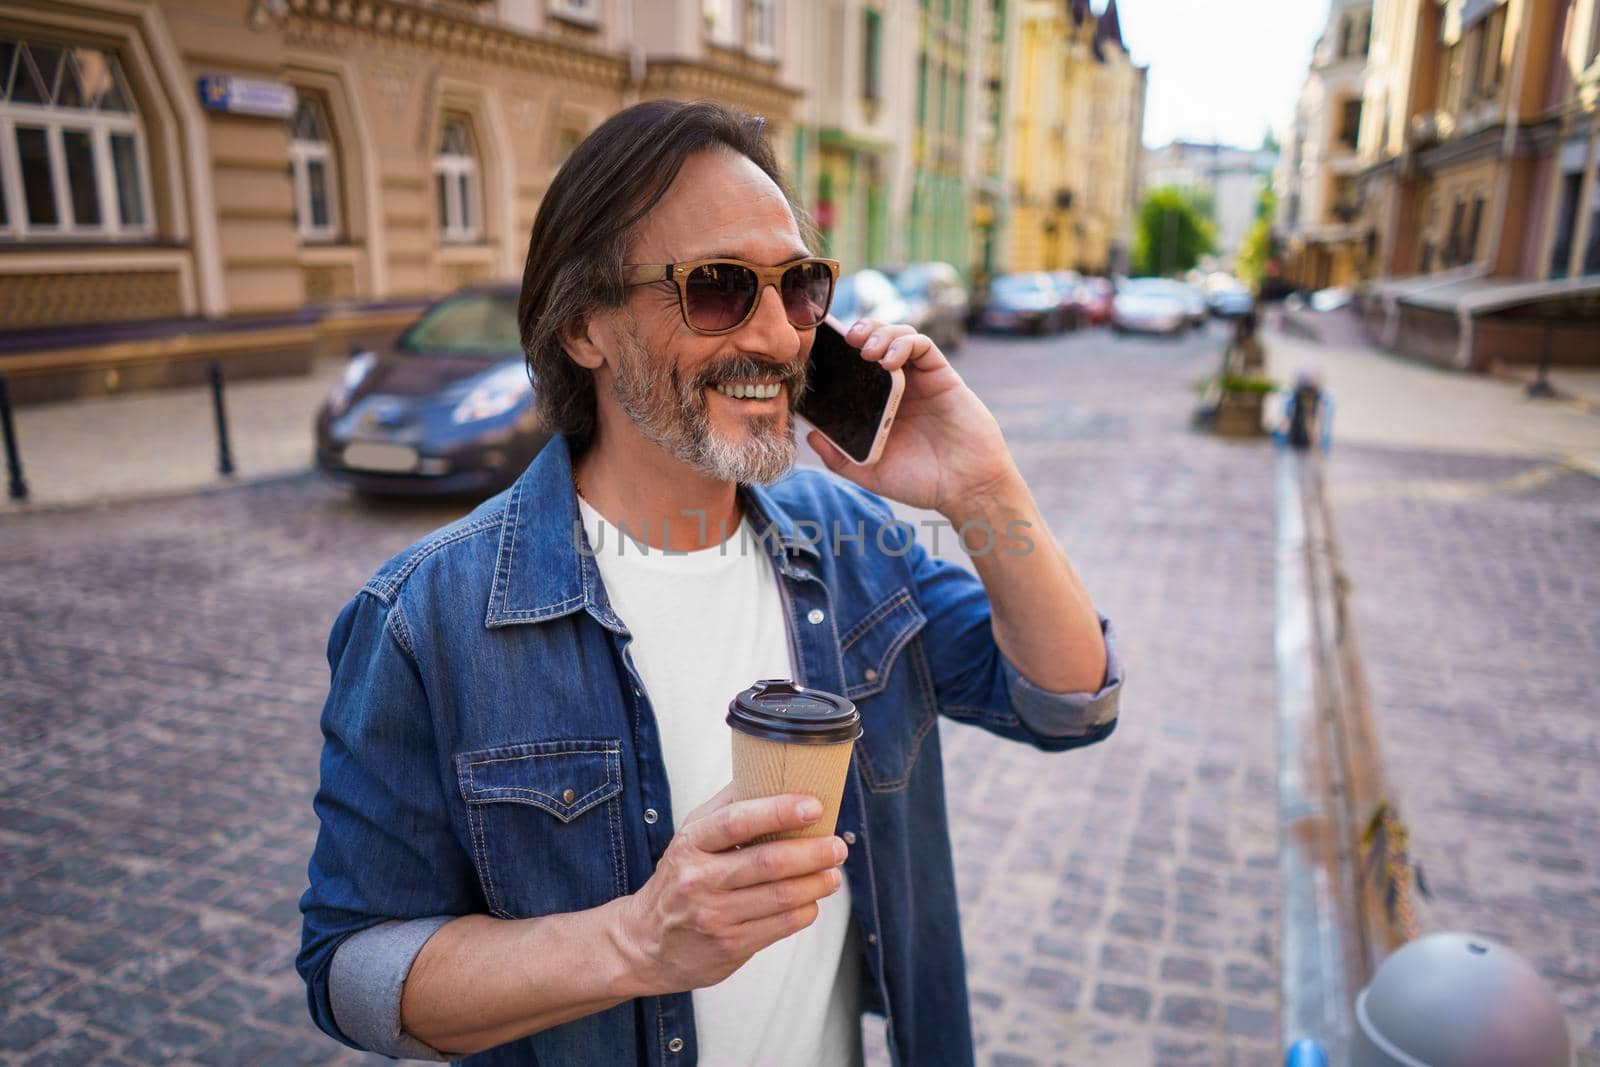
[719,295]
[807,291]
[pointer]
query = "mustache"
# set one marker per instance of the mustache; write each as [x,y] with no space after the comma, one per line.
[743,368]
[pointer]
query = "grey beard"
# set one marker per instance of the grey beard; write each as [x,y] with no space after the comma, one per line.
[671,413]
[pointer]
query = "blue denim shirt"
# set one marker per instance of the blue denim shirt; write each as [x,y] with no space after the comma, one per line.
[481,674]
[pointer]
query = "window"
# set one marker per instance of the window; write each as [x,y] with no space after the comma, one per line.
[72,155]
[763,28]
[1350,123]
[455,172]
[1469,249]
[586,12]
[316,184]
[871,54]
[1490,69]
[720,22]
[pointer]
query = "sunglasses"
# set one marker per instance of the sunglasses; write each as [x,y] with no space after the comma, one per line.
[720,295]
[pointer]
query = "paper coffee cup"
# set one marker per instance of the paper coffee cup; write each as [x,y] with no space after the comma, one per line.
[789,739]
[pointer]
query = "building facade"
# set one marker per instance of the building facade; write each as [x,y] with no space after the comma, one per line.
[1317,193]
[1478,183]
[852,146]
[949,47]
[1075,144]
[271,178]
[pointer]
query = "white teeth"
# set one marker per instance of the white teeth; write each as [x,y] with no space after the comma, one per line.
[749,391]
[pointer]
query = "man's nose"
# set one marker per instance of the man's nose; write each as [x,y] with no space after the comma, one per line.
[769,329]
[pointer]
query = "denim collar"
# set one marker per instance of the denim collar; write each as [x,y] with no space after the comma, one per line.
[539,573]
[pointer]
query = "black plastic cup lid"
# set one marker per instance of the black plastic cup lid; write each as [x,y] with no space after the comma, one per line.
[778,710]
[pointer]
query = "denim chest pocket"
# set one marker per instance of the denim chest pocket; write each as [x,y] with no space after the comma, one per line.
[545,823]
[887,677]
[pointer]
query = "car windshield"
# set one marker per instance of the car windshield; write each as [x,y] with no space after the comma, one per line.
[1020,284]
[473,324]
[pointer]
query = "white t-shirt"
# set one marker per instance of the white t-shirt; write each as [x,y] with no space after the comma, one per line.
[706,625]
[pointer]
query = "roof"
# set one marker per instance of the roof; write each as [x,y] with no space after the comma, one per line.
[1079,10]
[1109,30]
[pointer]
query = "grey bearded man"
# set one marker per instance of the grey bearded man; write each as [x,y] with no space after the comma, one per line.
[528,851]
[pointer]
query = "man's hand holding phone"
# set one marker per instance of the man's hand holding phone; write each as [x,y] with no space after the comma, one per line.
[945,449]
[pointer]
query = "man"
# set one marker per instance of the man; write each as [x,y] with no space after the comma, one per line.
[527,851]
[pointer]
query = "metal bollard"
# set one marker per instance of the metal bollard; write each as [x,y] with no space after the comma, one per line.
[224,453]
[18,488]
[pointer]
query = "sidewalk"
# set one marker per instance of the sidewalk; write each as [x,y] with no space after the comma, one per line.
[165,442]
[1390,401]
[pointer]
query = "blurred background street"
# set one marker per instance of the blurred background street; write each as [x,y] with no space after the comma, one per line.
[259,266]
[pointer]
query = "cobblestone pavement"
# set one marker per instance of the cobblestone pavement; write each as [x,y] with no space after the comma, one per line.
[163,666]
[1476,599]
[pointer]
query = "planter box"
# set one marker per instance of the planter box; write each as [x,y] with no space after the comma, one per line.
[1239,414]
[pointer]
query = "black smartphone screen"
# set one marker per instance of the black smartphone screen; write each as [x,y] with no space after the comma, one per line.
[845,395]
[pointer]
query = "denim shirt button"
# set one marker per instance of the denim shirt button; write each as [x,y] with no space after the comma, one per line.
[650,816]
[849,837]
[869,675]
[872,939]
[568,796]
[815,616]
[675,1045]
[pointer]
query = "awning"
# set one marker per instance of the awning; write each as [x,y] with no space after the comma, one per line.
[1483,296]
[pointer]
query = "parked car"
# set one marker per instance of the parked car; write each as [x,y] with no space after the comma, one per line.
[1227,297]
[868,294]
[1097,296]
[447,408]
[1195,312]
[1069,283]
[1149,305]
[936,302]
[1022,302]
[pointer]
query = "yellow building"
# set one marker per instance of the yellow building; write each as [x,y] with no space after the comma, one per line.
[261,179]
[1076,116]
[1479,142]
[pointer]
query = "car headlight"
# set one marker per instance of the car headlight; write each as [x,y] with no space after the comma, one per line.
[355,372]
[495,395]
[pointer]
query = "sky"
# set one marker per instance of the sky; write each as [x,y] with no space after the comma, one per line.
[1223,70]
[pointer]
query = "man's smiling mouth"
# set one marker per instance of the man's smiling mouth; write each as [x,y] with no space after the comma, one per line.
[749,390]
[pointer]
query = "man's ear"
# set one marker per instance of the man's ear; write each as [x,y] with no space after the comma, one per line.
[586,340]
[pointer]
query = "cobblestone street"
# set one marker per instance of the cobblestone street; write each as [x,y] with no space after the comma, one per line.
[164,669]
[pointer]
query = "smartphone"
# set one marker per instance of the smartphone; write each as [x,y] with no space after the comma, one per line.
[849,400]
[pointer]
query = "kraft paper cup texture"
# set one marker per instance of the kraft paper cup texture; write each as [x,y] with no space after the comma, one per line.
[763,768]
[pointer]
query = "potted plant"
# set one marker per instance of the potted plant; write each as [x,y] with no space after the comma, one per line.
[1239,405]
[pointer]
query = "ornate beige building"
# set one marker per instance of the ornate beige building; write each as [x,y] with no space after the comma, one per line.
[258,179]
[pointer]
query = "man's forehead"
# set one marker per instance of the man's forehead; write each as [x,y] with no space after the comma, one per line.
[722,205]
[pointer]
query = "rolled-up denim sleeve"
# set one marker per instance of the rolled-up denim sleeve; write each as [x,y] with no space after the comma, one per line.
[387,870]
[1068,714]
[975,683]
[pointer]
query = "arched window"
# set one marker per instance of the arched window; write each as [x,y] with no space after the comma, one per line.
[455,171]
[72,150]
[316,177]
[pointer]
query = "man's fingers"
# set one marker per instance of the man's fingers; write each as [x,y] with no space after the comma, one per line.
[882,338]
[742,820]
[722,799]
[773,861]
[760,933]
[774,898]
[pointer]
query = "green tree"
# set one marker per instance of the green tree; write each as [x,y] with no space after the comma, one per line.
[1172,233]
[1260,245]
